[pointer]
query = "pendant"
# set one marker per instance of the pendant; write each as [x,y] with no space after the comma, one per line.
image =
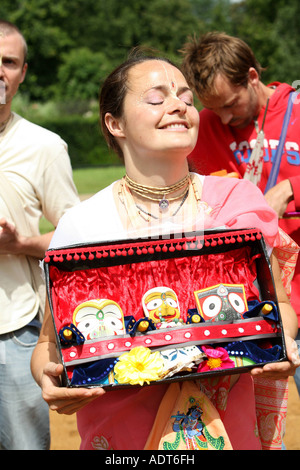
[163,204]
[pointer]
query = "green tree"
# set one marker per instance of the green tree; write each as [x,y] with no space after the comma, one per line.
[80,74]
[57,31]
[69,39]
[40,21]
[272,31]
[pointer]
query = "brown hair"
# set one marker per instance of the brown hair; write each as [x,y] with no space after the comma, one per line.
[7,28]
[114,89]
[213,54]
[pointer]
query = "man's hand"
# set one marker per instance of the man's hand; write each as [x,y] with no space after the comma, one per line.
[279,196]
[13,243]
[9,238]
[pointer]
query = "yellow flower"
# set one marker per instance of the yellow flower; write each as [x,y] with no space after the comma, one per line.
[138,366]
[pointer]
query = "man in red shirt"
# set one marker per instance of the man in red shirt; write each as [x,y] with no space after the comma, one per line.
[226,77]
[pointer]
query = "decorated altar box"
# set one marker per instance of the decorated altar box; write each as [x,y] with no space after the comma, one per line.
[137,312]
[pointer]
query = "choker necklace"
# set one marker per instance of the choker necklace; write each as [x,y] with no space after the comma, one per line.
[158,194]
[136,213]
[4,124]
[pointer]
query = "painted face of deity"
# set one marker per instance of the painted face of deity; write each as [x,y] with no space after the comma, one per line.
[161,305]
[223,302]
[99,317]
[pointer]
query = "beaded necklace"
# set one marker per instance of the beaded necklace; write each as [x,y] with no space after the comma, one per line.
[136,212]
[158,194]
[174,213]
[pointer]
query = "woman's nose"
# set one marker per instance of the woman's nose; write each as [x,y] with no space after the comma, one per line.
[177,106]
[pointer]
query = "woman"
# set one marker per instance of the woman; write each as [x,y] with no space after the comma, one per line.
[148,118]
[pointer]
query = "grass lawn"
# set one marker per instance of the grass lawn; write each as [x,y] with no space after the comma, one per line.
[88,181]
[91,180]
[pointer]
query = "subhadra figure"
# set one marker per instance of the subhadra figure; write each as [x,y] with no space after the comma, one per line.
[161,305]
[99,317]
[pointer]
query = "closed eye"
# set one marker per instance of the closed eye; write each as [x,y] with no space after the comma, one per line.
[230,105]
[187,98]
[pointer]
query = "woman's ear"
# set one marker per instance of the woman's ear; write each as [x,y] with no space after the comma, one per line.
[114,125]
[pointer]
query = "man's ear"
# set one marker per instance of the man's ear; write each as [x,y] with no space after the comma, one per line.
[114,125]
[253,76]
[23,75]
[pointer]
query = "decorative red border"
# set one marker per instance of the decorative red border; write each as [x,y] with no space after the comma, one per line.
[150,247]
[196,334]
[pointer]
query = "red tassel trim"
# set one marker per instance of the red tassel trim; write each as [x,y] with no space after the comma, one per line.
[152,246]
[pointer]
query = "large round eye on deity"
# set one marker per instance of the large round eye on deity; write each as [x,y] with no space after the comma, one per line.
[172,302]
[225,299]
[237,302]
[153,304]
[99,317]
[161,304]
[112,321]
[86,322]
[212,306]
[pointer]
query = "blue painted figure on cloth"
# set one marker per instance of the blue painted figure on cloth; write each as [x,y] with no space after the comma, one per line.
[190,422]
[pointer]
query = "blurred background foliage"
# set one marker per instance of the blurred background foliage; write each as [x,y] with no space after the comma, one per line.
[74,44]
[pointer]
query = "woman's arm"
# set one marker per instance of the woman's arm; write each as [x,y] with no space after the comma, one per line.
[283,369]
[47,371]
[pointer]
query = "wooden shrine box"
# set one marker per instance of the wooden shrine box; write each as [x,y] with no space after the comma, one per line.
[96,296]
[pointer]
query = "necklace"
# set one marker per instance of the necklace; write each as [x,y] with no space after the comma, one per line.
[4,124]
[158,194]
[255,165]
[135,214]
[174,213]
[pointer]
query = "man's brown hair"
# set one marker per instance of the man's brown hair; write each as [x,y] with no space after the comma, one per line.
[214,54]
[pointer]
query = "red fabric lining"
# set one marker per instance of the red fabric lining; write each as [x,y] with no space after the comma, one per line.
[126,284]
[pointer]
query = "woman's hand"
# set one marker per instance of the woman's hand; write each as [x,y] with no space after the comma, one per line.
[61,399]
[284,369]
[47,374]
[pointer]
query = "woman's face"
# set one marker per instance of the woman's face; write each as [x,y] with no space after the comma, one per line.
[159,117]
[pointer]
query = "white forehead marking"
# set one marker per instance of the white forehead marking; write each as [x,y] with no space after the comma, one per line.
[171,79]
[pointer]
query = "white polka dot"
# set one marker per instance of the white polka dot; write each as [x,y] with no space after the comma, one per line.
[258,327]
[110,346]
[92,350]
[72,354]
[128,344]
[224,332]
[187,335]
[207,332]
[241,330]
[168,337]
[148,341]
